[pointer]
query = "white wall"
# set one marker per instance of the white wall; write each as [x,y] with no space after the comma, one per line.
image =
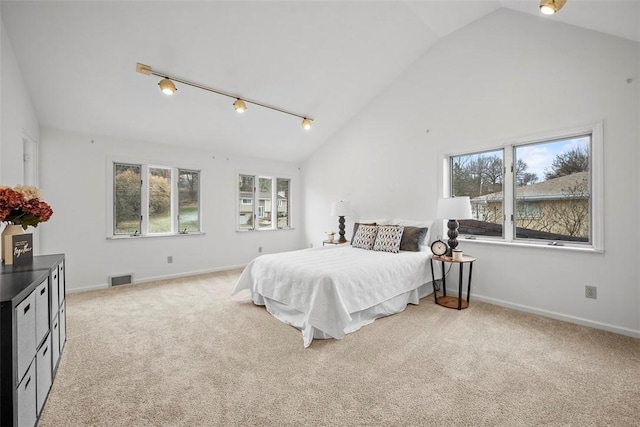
[74,178]
[505,76]
[17,116]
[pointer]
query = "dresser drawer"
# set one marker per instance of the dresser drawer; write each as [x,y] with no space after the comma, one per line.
[61,285]
[62,317]
[54,291]
[27,398]
[42,311]
[43,373]
[26,334]
[55,341]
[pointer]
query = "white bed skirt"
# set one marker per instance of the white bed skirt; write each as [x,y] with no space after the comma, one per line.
[296,318]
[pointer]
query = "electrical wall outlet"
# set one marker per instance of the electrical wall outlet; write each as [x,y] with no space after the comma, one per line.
[170,259]
[259,249]
[591,292]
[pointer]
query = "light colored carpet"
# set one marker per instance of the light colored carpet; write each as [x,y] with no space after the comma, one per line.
[185,353]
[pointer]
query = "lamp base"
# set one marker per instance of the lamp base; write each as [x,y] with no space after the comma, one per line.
[341,230]
[452,225]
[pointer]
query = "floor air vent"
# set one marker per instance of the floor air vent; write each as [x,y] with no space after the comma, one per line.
[125,279]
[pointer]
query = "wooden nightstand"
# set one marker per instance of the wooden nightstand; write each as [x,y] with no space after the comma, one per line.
[448,301]
[333,242]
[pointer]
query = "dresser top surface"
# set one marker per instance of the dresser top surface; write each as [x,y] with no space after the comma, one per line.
[16,280]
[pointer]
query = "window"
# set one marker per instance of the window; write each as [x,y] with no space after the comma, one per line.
[480,176]
[188,201]
[544,191]
[159,200]
[526,209]
[283,202]
[155,200]
[127,196]
[558,183]
[271,209]
[245,210]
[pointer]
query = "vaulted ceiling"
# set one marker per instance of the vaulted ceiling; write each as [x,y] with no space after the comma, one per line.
[321,59]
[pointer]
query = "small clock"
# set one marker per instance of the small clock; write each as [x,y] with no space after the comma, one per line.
[439,248]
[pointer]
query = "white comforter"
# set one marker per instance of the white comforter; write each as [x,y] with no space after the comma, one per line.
[327,285]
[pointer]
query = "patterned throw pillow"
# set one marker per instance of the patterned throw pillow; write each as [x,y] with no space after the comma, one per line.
[365,237]
[388,238]
[413,238]
[358,224]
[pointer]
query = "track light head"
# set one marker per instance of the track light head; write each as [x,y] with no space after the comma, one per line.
[549,7]
[306,123]
[240,105]
[167,87]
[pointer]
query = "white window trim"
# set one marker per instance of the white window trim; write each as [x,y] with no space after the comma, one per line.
[144,208]
[597,189]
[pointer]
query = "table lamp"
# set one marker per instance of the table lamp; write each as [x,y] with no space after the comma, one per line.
[341,209]
[453,209]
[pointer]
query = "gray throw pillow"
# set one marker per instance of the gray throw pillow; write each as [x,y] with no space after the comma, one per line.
[412,238]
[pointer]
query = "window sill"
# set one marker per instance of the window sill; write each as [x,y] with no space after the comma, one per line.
[537,245]
[154,236]
[264,229]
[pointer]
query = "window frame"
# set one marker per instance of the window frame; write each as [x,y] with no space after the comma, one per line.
[596,201]
[256,208]
[449,186]
[144,202]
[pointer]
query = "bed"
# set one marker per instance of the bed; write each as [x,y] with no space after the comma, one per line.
[328,292]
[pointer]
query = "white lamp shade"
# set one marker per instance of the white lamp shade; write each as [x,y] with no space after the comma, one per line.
[341,208]
[454,208]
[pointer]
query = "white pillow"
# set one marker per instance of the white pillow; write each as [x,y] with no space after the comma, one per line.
[426,246]
[388,238]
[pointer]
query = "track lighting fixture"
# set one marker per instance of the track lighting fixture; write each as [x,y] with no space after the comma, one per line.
[549,7]
[166,86]
[240,105]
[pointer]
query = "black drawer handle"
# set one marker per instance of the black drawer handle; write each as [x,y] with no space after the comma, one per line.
[55,276]
[43,291]
[45,351]
[55,325]
[27,384]
[27,308]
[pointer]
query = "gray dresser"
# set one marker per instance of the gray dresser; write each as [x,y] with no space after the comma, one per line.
[32,336]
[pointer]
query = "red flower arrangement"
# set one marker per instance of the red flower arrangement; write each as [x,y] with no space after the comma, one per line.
[22,206]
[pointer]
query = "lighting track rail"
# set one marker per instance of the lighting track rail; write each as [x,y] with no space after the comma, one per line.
[168,87]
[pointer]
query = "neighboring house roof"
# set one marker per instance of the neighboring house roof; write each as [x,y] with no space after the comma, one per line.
[571,186]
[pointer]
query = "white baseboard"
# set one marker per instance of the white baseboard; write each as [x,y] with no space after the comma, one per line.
[86,288]
[155,279]
[553,315]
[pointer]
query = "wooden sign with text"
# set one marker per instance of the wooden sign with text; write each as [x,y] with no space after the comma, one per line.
[21,250]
